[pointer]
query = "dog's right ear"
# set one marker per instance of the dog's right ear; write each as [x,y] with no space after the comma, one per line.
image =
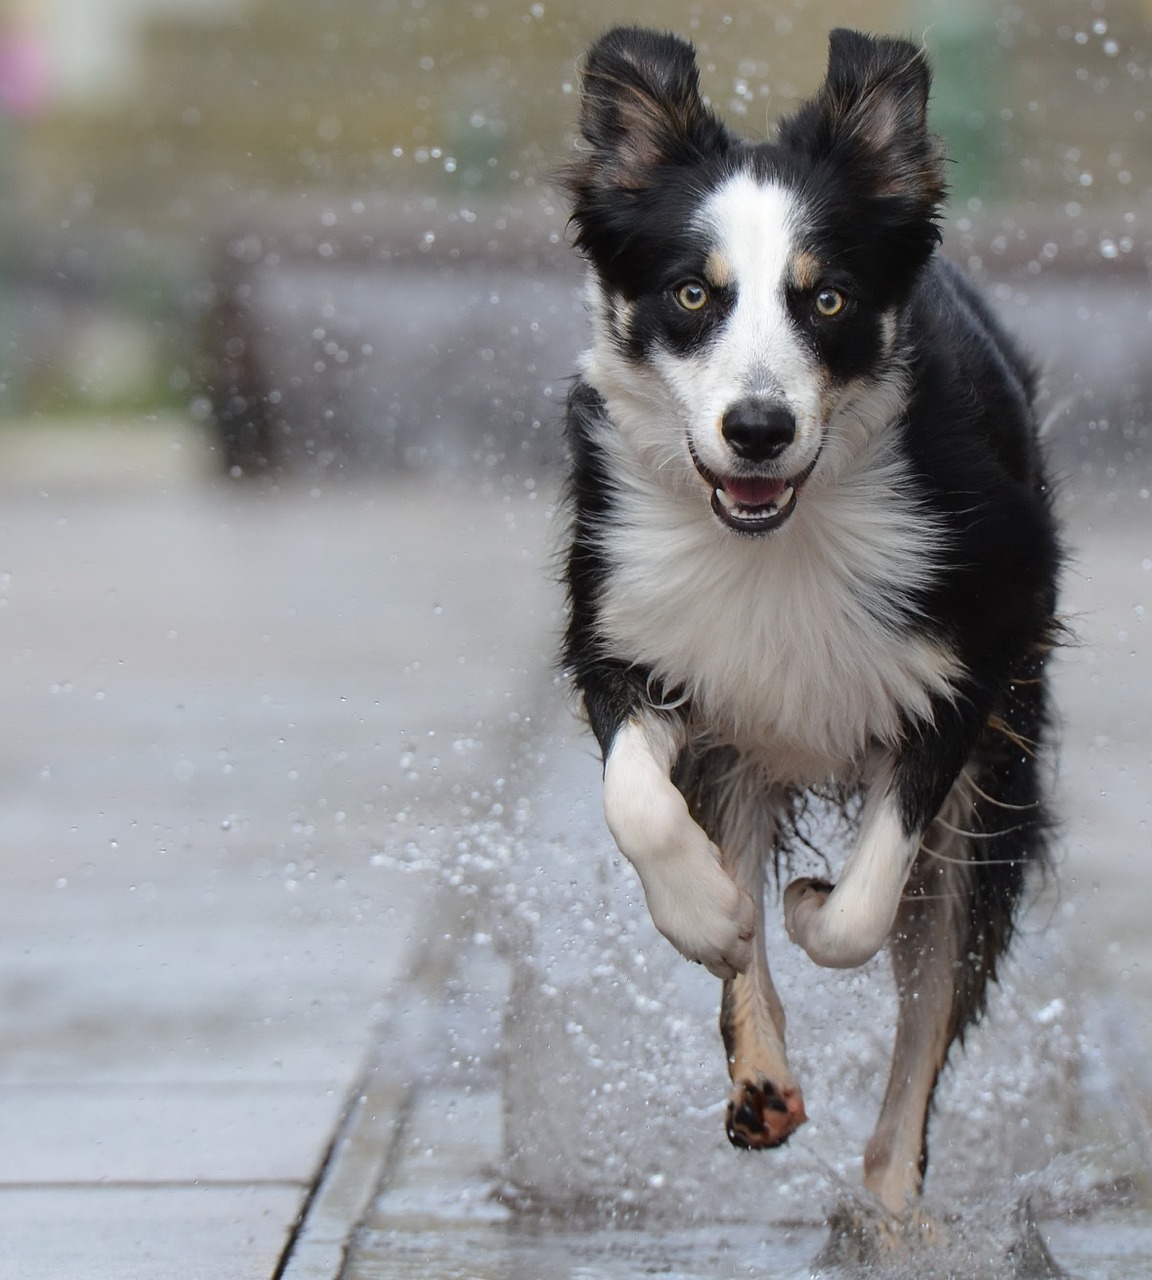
[640,109]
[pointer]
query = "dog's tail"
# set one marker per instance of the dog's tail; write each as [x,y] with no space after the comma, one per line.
[1007,832]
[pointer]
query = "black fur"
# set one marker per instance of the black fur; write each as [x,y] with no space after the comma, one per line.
[611,687]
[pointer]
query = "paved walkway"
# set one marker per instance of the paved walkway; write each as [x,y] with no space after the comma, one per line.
[208,693]
[216,994]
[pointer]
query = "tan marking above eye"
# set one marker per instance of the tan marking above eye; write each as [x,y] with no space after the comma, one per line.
[806,269]
[717,269]
[692,295]
[829,303]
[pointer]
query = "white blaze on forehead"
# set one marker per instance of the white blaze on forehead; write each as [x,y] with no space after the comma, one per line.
[753,227]
[752,232]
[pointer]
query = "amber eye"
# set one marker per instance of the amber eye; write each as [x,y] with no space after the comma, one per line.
[692,295]
[829,303]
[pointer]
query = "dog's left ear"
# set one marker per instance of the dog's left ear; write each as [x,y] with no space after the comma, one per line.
[872,113]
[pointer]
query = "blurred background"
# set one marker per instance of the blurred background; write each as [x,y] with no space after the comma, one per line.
[323,229]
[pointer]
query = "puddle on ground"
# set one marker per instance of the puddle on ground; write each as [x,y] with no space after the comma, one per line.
[1086,1251]
[526,1253]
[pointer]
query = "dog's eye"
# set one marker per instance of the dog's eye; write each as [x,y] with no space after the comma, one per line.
[692,295]
[829,303]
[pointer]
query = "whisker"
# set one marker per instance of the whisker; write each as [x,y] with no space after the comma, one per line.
[997,725]
[1001,804]
[978,835]
[659,700]
[967,862]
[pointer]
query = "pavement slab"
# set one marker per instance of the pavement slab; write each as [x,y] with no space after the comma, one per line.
[164,1232]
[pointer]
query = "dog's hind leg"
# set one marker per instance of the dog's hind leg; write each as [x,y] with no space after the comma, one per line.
[952,929]
[926,944]
[734,804]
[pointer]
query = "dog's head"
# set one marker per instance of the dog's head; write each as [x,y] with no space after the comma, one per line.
[746,293]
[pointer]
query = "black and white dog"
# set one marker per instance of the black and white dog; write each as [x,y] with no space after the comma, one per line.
[812,548]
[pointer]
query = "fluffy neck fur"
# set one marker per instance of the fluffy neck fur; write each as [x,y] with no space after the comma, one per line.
[800,642]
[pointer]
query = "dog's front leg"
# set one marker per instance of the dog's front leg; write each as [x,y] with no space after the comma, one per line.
[766,1105]
[845,925]
[693,901]
[729,796]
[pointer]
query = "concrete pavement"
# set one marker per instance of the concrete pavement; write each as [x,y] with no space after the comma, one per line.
[208,695]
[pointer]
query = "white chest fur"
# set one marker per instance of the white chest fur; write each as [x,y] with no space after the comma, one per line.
[802,644]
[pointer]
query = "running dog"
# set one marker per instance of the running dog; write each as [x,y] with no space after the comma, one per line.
[812,549]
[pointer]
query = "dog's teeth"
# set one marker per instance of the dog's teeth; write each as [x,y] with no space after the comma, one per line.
[764,512]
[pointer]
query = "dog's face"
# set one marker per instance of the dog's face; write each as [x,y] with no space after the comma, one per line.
[745,294]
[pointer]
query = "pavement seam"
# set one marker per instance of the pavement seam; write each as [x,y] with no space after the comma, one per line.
[389,1164]
[331,1156]
[155,1184]
[365,1149]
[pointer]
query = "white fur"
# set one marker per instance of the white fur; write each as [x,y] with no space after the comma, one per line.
[797,643]
[802,647]
[848,926]
[795,646]
[692,900]
[753,227]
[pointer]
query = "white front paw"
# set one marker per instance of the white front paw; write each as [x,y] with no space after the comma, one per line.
[699,908]
[803,898]
[823,922]
[693,902]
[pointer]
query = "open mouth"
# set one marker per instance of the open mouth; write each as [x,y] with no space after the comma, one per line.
[752,504]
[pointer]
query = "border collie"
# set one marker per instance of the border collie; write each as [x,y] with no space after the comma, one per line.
[811,550]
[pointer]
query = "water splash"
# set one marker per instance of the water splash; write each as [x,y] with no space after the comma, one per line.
[614,1076]
[614,1082]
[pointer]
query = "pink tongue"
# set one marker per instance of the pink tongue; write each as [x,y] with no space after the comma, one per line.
[754,493]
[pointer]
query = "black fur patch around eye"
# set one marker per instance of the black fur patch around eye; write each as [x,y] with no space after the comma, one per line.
[655,320]
[645,313]
[848,345]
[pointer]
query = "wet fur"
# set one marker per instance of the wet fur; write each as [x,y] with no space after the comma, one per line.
[886,637]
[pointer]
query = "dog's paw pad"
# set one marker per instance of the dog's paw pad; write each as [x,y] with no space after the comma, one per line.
[761,1116]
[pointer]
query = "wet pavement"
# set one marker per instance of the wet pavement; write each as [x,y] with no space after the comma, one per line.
[253,1028]
[208,693]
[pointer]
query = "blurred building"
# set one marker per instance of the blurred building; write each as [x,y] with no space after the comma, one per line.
[173,129]
[163,108]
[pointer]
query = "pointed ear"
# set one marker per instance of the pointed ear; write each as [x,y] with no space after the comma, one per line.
[640,108]
[872,110]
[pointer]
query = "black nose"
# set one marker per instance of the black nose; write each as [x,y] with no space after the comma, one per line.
[758,430]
